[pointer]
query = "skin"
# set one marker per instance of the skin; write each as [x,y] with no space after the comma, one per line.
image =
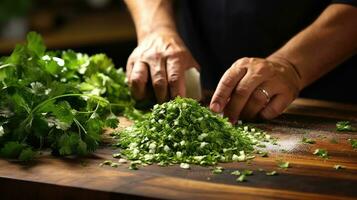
[162,56]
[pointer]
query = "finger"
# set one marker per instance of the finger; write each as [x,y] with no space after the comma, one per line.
[129,67]
[276,106]
[241,94]
[138,79]
[159,79]
[225,87]
[258,100]
[176,78]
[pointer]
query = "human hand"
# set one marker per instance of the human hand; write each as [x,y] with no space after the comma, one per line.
[164,58]
[256,87]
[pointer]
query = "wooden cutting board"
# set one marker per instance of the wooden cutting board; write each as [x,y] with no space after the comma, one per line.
[310,177]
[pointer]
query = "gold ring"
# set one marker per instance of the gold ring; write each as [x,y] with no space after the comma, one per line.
[266,94]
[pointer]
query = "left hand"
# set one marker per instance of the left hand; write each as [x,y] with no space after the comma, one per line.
[256,87]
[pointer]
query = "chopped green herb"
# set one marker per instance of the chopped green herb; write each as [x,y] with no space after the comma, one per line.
[116,155]
[106,162]
[185,166]
[134,164]
[263,153]
[337,167]
[183,131]
[353,143]
[272,173]
[217,170]
[247,172]
[308,140]
[283,164]
[241,178]
[236,173]
[321,153]
[344,126]
[114,164]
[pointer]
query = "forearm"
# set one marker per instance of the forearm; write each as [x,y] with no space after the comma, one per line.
[151,15]
[323,45]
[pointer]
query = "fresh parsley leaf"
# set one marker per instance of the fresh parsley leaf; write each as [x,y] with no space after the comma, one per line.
[344,126]
[60,100]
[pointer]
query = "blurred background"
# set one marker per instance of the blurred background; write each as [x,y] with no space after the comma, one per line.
[88,26]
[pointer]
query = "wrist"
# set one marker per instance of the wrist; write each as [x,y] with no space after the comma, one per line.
[162,29]
[287,63]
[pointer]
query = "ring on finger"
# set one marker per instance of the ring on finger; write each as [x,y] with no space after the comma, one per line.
[265,93]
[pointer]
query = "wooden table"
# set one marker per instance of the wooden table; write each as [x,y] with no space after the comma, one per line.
[310,177]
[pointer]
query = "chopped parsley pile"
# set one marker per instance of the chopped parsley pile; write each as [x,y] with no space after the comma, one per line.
[57,99]
[183,132]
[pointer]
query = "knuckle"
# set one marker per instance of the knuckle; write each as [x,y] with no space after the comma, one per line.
[242,91]
[159,83]
[152,56]
[135,81]
[174,79]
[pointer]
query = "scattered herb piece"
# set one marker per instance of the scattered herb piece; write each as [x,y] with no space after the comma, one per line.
[185,166]
[353,143]
[114,164]
[272,173]
[236,173]
[337,167]
[344,126]
[116,155]
[247,172]
[134,164]
[263,153]
[283,164]
[217,170]
[241,178]
[106,162]
[321,153]
[306,140]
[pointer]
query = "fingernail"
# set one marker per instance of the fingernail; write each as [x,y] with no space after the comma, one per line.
[215,107]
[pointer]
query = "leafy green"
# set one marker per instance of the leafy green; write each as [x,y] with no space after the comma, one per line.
[182,131]
[58,99]
[345,126]
[321,153]
[272,173]
[308,140]
[217,170]
[353,143]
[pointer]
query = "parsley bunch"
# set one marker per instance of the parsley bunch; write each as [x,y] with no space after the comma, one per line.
[61,100]
[183,131]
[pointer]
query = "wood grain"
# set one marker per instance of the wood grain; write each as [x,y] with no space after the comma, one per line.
[310,177]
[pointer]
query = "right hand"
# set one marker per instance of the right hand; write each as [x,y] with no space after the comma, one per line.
[163,56]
